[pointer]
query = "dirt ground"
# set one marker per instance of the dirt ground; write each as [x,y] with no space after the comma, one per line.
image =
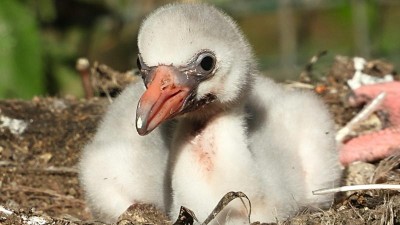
[41,140]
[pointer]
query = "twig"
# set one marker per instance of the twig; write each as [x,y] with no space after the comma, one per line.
[365,112]
[315,59]
[20,188]
[62,170]
[296,84]
[5,211]
[357,213]
[51,169]
[224,202]
[384,167]
[83,67]
[7,163]
[107,94]
[357,188]
[304,75]
[186,217]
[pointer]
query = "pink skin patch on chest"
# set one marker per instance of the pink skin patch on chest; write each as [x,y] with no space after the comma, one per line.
[203,149]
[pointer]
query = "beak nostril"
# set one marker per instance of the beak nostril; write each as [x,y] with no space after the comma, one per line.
[165,83]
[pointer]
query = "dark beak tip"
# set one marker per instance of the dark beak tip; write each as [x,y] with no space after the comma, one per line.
[142,131]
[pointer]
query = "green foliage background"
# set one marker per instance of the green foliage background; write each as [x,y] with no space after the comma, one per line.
[21,64]
[41,39]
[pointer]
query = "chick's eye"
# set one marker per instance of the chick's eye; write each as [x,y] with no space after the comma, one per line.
[138,64]
[207,63]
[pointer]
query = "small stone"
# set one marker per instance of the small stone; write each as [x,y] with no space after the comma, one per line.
[45,157]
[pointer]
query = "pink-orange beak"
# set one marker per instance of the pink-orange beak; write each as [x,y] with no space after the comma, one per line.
[165,97]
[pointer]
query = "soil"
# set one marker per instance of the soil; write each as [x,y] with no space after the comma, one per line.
[37,167]
[38,174]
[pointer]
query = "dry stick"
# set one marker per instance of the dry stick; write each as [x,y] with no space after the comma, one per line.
[54,169]
[5,211]
[107,94]
[309,66]
[315,59]
[20,188]
[50,169]
[357,213]
[365,112]
[357,188]
[389,207]
[224,202]
[307,70]
[385,166]
[83,67]
[7,163]
[296,84]
[186,217]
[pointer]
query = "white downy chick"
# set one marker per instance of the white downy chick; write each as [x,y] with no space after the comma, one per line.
[118,167]
[235,131]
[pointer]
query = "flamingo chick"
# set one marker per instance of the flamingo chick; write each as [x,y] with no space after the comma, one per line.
[235,130]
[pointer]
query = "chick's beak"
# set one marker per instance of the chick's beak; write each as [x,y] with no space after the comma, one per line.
[164,98]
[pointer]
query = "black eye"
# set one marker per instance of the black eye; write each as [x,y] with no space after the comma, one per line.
[138,64]
[207,63]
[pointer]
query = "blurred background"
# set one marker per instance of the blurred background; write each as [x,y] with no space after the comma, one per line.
[40,40]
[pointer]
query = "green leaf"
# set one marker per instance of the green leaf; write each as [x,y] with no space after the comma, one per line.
[21,68]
